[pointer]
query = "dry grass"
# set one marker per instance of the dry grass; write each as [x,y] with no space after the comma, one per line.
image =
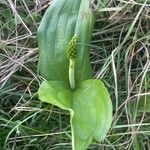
[120,56]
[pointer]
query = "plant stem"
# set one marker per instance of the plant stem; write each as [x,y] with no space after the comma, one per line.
[71,73]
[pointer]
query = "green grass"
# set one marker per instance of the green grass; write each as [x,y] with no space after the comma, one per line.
[120,56]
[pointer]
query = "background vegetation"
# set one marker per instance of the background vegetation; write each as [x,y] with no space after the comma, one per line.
[120,56]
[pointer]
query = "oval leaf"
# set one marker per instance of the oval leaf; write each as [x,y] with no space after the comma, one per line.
[89,105]
[61,21]
[92,113]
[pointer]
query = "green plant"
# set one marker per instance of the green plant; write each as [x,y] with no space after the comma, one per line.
[64,36]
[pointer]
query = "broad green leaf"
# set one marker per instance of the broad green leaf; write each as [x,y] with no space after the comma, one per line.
[56,93]
[92,113]
[89,105]
[61,21]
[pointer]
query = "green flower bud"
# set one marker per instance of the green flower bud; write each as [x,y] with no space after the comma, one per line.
[71,48]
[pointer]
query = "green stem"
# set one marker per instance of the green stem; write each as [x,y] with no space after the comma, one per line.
[71,73]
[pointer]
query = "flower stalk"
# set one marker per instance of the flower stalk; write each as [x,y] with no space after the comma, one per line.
[72,73]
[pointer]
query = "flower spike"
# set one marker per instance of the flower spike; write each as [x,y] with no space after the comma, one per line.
[72,55]
[71,48]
